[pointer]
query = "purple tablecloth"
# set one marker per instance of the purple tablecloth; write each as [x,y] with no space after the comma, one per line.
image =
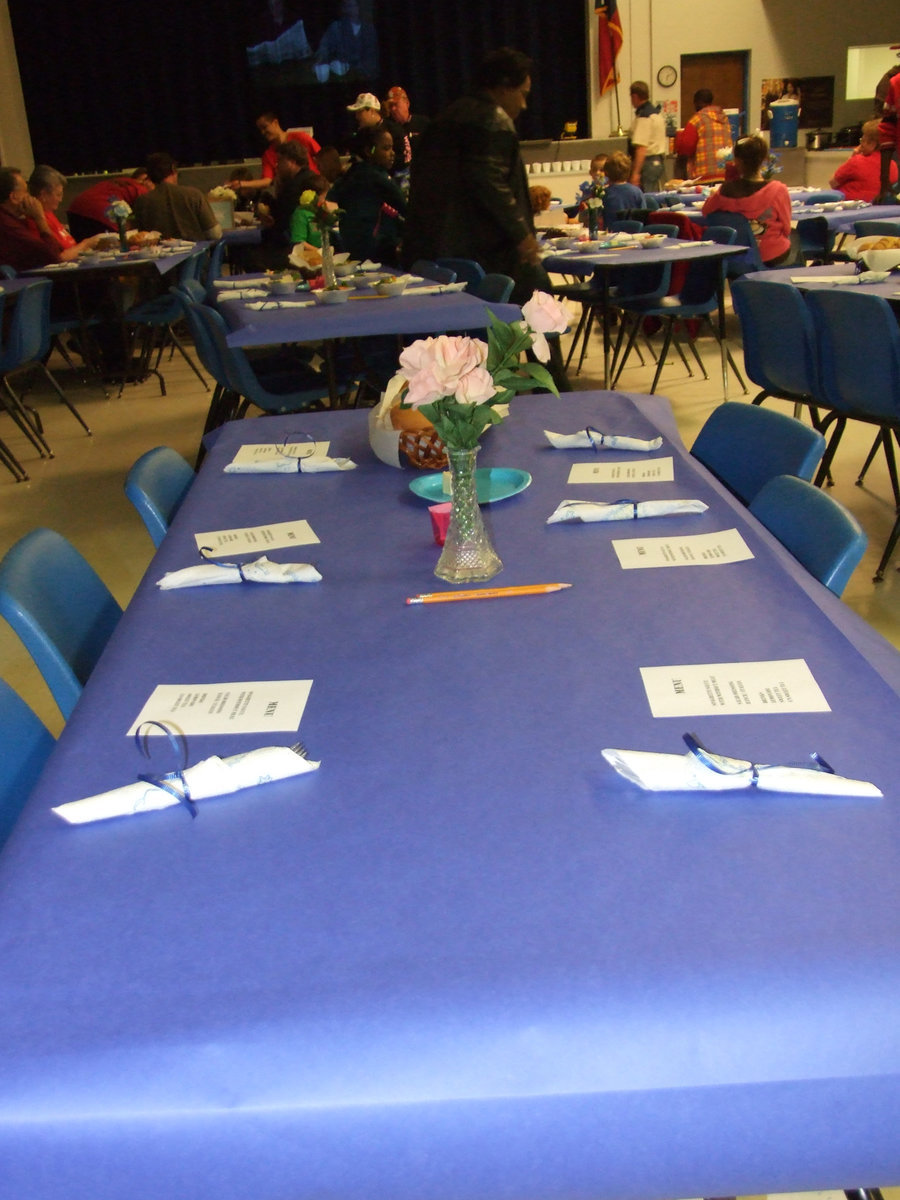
[464,960]
[364,316]
[672,250]
[814,278]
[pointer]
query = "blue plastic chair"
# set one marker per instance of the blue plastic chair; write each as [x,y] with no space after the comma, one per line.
[157,318]
[699,297]
[466,270]
[626,225]
[25,746]
[877,228]
[213,269]
[494,287]
[738,264]
[654,227]
[819,532]
[723,234]
[859,368]
[430,270]
[828,196]
[156,486]
[24,348]
[60,608]
[745,446]
[817,241]
[780,351]
[276,384]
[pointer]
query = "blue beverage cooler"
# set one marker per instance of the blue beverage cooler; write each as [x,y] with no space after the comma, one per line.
[784,117]
[734,120]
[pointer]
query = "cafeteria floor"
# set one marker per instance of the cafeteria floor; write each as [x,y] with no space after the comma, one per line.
[79,493]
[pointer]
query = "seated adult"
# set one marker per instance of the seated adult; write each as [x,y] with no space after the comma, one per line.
[269,127]
[765,203]
[47,187]
[620,195]
[373,205]
[859,178]
[173,210]
[26,240]
[292,178]
[87,212]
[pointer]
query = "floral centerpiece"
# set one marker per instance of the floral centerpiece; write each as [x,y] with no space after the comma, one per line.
[118,211]
[324,216]
[222,193]
[590,203]
[458,384]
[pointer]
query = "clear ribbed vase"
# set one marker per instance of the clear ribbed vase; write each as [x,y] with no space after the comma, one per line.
[328,260]
[468,555]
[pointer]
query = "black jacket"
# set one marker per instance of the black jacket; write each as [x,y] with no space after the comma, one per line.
[468,195]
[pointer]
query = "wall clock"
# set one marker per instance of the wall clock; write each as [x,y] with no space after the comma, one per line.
[666,76]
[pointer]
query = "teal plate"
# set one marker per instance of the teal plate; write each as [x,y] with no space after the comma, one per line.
[493,483]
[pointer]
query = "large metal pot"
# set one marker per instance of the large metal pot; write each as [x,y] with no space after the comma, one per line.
[820,140]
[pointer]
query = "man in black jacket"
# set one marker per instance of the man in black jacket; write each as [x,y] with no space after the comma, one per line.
[468,193]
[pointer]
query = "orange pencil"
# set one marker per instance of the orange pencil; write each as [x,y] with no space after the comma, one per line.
[525,589]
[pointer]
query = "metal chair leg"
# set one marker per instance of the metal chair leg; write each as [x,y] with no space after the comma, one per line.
[16,410]
[65,399]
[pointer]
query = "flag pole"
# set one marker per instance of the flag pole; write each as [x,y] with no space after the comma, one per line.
[618,131]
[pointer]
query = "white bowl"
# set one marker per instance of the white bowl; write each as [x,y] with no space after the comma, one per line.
[283,287]
[331,296]
[346,268]
[881,260]
[395,288]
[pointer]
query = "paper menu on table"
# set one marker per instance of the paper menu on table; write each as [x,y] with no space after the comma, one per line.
[646,470]
[691,550]
[210,708]
[725,689]
[266,451]
[257,537]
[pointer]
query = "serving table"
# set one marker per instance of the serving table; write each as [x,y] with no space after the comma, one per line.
[464,960]
[601,263]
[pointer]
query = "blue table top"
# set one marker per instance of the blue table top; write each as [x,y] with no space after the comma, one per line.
[807,278]
[464,959]
[365,314]
[586,262]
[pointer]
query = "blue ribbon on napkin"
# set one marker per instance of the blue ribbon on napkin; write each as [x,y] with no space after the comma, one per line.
[206,553]
[710,760]
[167,782]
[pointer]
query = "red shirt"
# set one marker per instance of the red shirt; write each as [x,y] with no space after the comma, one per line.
[23,246]
[859,178]
[270,154]
[95,200]
[889,128]
[59,230]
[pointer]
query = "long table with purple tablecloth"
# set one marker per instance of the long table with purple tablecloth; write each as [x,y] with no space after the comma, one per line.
[464,960]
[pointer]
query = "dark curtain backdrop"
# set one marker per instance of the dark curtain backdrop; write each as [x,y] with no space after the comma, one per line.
[105,85]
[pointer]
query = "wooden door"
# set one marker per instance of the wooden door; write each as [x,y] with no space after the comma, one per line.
[725,74]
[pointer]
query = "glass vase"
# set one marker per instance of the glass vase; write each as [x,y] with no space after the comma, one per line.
[123,236]
[328,260]
[468,555]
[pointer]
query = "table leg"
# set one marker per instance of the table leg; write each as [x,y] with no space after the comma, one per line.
[606,331]
[723,349]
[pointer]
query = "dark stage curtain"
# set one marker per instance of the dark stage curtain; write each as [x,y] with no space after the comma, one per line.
[104,86]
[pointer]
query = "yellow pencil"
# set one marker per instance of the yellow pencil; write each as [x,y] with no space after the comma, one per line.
[525,589]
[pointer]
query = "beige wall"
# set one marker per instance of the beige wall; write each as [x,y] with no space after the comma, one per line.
[15,144]
[783,38]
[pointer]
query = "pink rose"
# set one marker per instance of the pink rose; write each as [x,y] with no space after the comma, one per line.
[424,388]
[475,387]
[545,314]
[446,358]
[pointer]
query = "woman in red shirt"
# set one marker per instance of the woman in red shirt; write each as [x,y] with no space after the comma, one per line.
[765,203]
[47,186]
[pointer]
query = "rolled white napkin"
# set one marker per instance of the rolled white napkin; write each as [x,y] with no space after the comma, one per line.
[261,570]
[593,439]
[436,289]
[622,510]
[313,464]
[260,305]
[368,265]
[250,293]
[686,773]
[211,777]
[240,282]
